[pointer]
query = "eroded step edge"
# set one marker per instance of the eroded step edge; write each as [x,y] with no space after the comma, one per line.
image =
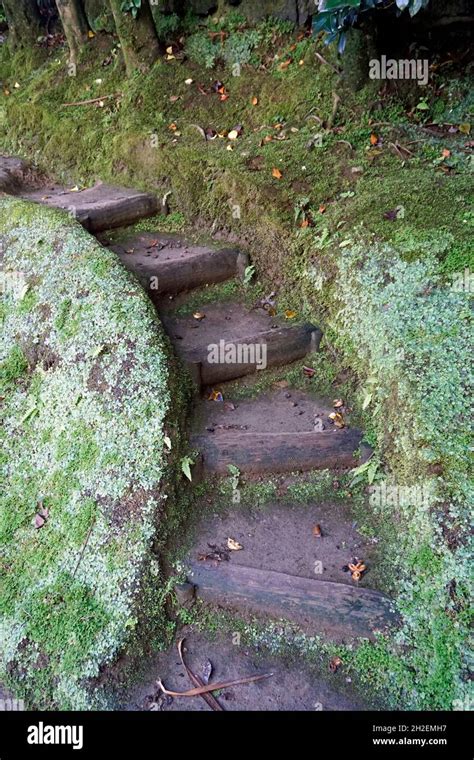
[259,453]
[283,346]
[338,610]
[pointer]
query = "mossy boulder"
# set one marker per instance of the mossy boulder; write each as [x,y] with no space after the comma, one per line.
[84,387]
[99,16]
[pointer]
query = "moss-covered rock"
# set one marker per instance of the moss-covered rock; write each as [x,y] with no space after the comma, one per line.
[84,385]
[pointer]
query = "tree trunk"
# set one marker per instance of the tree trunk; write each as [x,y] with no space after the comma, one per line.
[23,21]
[74,24]
[137,36]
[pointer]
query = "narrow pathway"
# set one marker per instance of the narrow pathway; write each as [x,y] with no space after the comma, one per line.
[285,431]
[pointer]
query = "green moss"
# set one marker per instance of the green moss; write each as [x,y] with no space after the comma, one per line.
[12,368]
[82,450]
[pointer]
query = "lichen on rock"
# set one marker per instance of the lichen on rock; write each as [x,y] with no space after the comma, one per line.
[84,385]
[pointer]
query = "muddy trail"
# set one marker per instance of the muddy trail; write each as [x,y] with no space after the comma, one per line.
[287,562]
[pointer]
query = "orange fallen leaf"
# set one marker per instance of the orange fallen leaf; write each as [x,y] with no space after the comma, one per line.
[445,153]
[284,64]
[199,315]
[255,101]
[374,139]
[309,371]
[317,532]
[337,419]
[334,664]
[172,126]
[322,208]
[290,314]
[305,223]
[276,173]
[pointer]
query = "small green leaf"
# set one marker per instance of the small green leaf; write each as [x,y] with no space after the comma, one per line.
[186,464]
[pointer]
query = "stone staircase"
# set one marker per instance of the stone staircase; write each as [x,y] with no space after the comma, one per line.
[274,433]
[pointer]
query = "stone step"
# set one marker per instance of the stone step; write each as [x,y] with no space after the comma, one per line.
[338,610]
[97,208]
[167,263]
[231,341]
[282,431]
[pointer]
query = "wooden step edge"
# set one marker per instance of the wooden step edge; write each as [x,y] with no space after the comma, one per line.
[284,345]
[173,277]
[336,609]
[119,213]
[260,453]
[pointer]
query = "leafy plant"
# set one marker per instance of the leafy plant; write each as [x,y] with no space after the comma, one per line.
[335,17]
[234,475]
[201,49]
[131,6]
[186,464]
[367,470]
[248,275]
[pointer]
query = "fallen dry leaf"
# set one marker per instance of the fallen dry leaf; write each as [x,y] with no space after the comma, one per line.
[374,139]
[233,134]
[255,101]
[337,419]
[335,664]
[309,371]
[234,545]
[337,403]
[290,314]
[357,569]
[317,533]
[199,315]
[445,153]
[215,396]
[276,173]
[284,64]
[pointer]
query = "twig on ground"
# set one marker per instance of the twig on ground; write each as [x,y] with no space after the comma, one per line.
[323,60]
[208,698]
[211,686]
[92,100]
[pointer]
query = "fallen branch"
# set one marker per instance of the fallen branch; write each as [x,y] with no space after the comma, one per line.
[211,686]
[208,698]
[323,60]
[335,105]
[92,100]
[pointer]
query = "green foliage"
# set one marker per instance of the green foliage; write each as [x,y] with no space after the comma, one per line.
[131,6]
[166,24]
[334,17]
[12,368]
[186,464]
[201,49]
